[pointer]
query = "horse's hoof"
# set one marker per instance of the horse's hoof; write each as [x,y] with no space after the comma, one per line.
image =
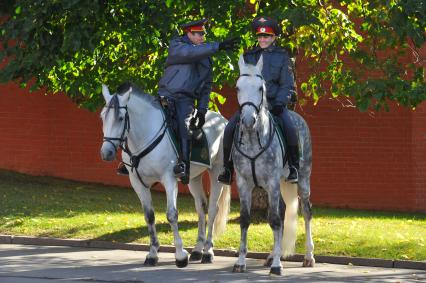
[195,256]
[239,268]
[276,270]
[308,262]
[207,258]
[182,263]
[151,261]
[268,262]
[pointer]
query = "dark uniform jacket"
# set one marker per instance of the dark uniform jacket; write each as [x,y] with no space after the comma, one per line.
[277,72]
[189,71]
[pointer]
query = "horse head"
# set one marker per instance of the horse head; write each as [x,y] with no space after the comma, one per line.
[251,92]
[115,119]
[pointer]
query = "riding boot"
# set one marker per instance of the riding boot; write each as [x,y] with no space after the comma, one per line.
[293,164]
[122,170]
[225,176]
[181,169]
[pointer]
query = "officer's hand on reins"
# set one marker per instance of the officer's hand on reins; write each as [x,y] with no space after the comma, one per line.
[201,119]
[230,44]
[197,121]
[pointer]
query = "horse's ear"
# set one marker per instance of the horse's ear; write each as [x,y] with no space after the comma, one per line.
[106,94]
[241,62]
[259,64]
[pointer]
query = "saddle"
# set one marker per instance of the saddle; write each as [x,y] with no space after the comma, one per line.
[200,153]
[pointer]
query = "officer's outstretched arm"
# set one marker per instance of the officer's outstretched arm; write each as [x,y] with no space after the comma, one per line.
[183,53]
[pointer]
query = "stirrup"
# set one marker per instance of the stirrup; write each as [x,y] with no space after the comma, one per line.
[291,178]
[122,170]
[179,170]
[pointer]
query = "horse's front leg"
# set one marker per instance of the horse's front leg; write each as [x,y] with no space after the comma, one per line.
[245,206]
[145,198]
[196,189]
[275,218]
[181,255]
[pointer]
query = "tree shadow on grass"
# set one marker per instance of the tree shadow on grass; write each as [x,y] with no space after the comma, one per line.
[133,234]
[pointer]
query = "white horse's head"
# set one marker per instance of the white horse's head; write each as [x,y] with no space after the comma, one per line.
[251,92]
[115,119]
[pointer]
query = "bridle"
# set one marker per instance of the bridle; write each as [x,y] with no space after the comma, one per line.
[237,141]
[123,145]
[123,137]
[249,103]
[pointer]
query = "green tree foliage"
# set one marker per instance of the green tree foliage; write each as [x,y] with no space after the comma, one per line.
[72,46]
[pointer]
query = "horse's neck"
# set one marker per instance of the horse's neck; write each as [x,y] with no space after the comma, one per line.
[145,122]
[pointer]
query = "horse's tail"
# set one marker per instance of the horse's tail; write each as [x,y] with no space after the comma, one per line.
[289,193]
[224,204]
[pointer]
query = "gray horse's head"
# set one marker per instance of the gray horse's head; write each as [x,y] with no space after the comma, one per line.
[115,120]
[251,92]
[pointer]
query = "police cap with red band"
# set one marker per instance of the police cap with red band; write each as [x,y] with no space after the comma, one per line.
[194,26]
[265,26]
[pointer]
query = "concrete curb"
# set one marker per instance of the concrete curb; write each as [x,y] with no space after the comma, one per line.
[44,241]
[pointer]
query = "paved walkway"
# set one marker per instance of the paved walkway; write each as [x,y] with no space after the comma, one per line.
[46,264]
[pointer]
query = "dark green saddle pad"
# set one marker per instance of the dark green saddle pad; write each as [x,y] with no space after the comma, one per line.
[200,148]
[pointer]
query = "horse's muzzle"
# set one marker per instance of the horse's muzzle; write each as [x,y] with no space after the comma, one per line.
[107,152]
[248,122]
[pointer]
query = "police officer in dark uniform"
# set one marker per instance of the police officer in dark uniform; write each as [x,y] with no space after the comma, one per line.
[188,79]
[280,87]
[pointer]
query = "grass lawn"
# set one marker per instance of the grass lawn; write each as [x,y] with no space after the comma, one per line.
[50,207]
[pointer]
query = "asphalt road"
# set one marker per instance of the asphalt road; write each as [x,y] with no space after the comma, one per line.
[37,264]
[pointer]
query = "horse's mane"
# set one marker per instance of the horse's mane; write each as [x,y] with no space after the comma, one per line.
[138,92]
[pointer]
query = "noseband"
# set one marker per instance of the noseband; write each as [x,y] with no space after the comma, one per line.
[249,103]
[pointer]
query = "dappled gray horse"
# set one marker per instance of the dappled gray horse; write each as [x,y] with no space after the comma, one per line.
[258,159]
[135,122]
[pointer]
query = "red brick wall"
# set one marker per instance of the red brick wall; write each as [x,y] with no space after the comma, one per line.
[49,135]
[361,160]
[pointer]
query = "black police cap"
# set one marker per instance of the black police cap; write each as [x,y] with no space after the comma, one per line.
[263,21]
[201,22]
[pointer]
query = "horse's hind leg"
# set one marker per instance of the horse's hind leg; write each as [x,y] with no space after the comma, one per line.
[219,203]
[304,192]
[281,210]
[196,189]
[145,198]
[181,255]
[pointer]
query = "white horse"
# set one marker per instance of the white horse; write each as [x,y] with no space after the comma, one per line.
[258,160]
[135,122]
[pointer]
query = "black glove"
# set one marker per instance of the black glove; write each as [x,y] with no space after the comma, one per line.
[198,121]
[229,44]
[277,109]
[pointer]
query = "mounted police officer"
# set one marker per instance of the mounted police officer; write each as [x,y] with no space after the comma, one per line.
[280,87]
[188,79]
